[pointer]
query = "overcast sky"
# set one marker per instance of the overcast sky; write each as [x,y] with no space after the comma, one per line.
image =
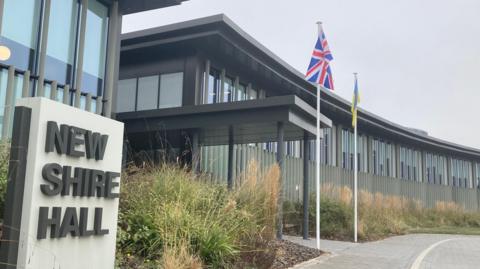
[418,60]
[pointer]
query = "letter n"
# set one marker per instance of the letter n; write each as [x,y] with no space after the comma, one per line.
[56,138]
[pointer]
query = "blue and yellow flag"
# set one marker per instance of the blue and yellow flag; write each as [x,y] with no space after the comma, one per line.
[355,102]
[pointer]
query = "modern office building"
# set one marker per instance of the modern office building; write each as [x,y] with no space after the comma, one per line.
[66,50]
[207,87]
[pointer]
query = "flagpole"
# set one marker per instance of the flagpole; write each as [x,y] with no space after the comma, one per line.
[355,175]
[317,151]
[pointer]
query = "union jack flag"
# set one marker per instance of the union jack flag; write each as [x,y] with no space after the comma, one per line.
[319,69]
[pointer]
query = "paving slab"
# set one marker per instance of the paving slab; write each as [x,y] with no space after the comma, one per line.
[416,251]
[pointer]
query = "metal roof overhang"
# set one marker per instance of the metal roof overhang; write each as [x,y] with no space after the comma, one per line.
[134,6]
[253,121]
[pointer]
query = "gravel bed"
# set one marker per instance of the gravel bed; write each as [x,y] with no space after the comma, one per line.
[288,254]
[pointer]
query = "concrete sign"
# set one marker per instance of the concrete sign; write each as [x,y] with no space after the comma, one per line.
[64,183]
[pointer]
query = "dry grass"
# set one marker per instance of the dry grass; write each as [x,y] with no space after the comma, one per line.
[258,192]
[179,257]
[382,215]
[178,220]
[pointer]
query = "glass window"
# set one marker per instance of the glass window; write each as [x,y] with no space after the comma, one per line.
[147,97]
[61,40]
[83,102]
[20,24]
[241,92]
[171,90]
[126,95]
[93,106]
[252,94]
[60,94]
[47,89]
[95,47]
[227,89]
[213,86]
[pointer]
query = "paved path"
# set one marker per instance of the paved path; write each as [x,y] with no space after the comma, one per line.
[417,251]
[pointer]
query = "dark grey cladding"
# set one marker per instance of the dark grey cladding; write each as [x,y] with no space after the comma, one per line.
[134,6]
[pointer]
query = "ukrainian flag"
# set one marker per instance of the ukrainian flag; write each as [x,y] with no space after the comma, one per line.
[355,102]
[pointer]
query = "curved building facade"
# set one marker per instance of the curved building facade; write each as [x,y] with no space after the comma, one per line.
[207,93]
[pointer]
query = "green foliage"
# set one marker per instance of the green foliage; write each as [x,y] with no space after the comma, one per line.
[4,161]
[168,212]
[336,218]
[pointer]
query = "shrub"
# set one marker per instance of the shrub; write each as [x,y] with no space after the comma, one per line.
[4,161]
[336,218]
[379,215]
[168,213]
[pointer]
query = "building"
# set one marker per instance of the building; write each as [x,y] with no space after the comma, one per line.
[66,50]
[204,90]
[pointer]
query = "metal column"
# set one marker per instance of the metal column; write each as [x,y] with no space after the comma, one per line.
[281,164]
[423,174]
[9,103]
[81,46]
[112,60]
[474,175]
[43,50]
[339,152]
[306,175]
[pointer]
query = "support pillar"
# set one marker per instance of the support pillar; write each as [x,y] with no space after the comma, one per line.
[398,162]
[281,164]
[81,46]
[230,158]
[206,83]
[449,171]
[43,50]
[113,57]
[370,154]
[423,174]
[306,191]
[474,175]
[9,104]
[339,152]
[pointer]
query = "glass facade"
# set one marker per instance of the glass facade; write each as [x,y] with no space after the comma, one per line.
[327,148]
[252,94]
[228,89]
[223,88]
[151,92]
[410,164]
[348,151]
[383,158]
[95,47]
[20,27]
[147,97]
[461,173]
[213,87]
[62,37]
[241,91]
[171,90]
[21,32]
[436,169]
[126,95]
